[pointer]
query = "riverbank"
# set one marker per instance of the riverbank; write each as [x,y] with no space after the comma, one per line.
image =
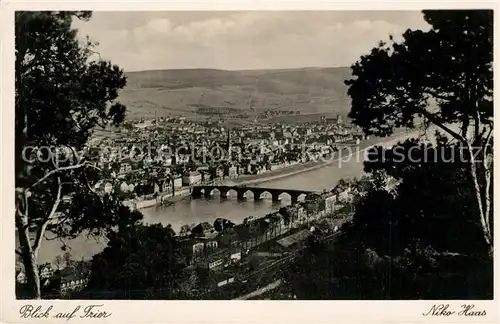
[287,171]
[292,170]
[168,199]
[162,199]
[184,210]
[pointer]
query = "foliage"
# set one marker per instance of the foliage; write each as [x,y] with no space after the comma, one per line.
[348,270]
[185,230]
[139,261]
[62,93]
[287,217]
[418,241]
[449,66]
[433,203]
[442,76]
[325,271]
[220,224]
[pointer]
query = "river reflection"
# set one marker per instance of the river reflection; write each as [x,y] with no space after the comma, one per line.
[190,211]
[208,209]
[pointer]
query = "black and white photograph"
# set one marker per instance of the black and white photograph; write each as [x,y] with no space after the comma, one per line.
[254,155]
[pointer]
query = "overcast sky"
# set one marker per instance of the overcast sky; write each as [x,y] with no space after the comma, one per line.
[235,40]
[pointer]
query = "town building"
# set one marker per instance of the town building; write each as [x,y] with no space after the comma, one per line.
[72,283]
[177,181]
[291,242]
[204,229]
[21,277]
[191,178]
[46,271]
[329,202]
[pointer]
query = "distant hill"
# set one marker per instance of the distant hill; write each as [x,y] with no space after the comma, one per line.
[201,92]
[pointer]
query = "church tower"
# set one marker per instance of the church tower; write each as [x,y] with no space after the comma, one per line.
[228,143]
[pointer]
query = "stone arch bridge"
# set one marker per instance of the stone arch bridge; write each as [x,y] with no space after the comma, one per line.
[199,191]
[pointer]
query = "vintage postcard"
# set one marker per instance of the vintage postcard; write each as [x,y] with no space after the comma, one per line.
[224,162]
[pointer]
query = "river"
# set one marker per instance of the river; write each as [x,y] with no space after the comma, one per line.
[190,211]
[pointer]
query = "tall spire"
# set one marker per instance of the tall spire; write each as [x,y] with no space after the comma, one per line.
[228,143]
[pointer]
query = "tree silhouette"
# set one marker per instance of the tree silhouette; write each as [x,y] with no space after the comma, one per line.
[62,93]
[441,76]
[220,224]
[433,203]
[138,261]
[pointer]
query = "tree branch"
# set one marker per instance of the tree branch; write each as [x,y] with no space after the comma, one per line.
[20,202]
[477,187]
[89,187]
[441,125]
[75,154]
[71,167]
[43,227]
[484,219]
[439,96]
[25,214]
[487,176]
[487,198]
[476,125]
[487,143]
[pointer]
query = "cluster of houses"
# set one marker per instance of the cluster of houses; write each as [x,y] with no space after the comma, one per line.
[223,245]
[162,156]
[59,282]
[172,157]
[215,247]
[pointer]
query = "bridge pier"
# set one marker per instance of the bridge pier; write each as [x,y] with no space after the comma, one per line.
[241,195]
[223,194]
[196,192]
[207,193]
[294,197]
[276,196]
[257,195]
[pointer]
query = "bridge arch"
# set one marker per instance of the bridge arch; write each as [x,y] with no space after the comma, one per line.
[232,192]
[302,197]
[265,194]
[285,194]
[249,193]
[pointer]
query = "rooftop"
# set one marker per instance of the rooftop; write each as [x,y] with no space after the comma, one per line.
[294,238]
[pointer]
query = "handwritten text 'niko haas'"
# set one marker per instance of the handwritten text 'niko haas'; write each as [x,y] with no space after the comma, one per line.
[90,311]
[446,310]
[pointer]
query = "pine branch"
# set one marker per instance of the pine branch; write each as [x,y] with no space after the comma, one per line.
[441,125]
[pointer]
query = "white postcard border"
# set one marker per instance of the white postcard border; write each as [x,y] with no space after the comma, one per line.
[207,311]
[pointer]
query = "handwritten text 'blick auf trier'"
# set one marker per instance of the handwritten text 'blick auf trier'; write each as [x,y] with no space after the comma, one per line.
[37,311]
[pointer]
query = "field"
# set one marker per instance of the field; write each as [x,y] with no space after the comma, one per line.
[201,93]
